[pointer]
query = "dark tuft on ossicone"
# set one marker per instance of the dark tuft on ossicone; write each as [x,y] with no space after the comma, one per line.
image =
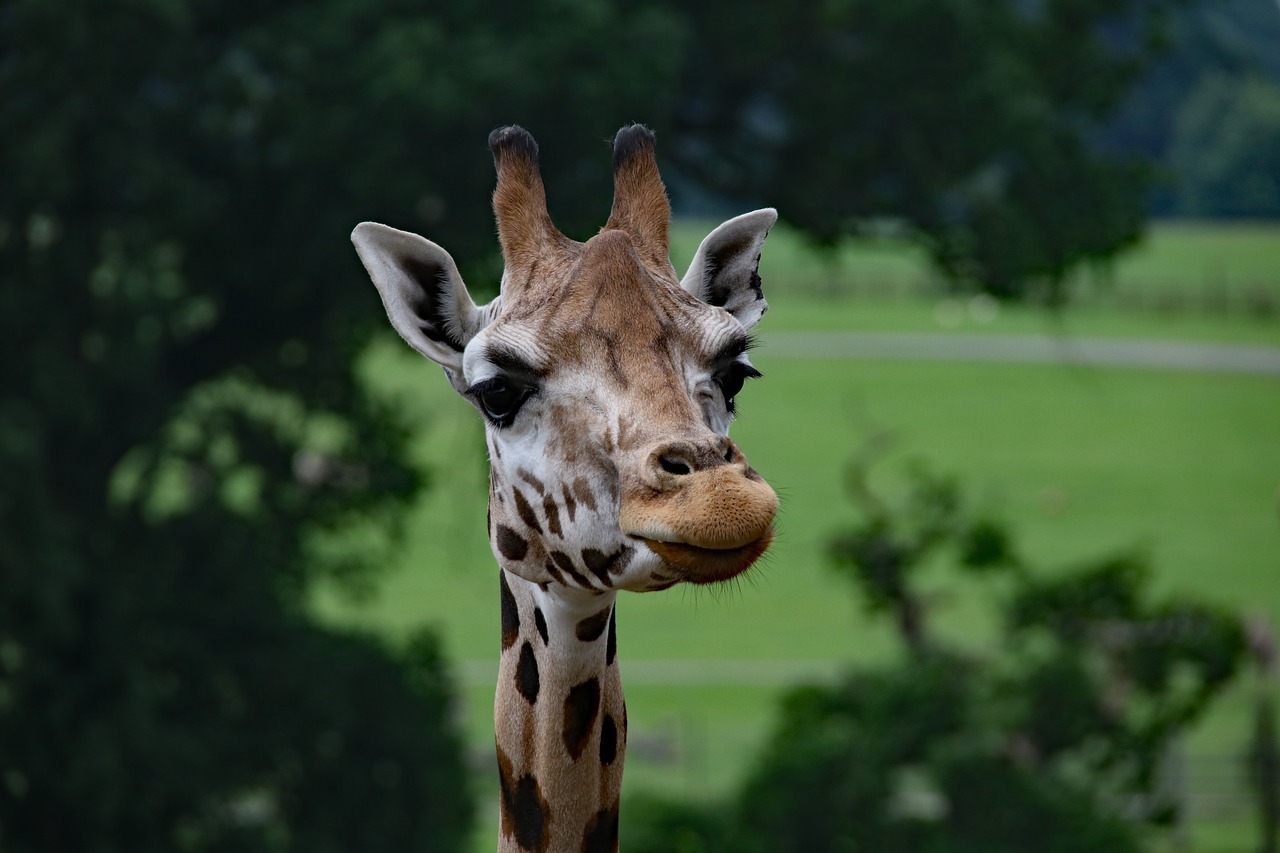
[514,139]
[630,141]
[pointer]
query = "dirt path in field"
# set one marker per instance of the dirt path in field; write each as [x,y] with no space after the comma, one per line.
[1026,349]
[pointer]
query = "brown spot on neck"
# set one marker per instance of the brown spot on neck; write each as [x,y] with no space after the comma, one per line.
[589,629]
[524,810]
[580,709]
[602,833]
[510,614]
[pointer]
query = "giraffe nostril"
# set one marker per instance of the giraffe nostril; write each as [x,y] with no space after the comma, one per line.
[728,453]
[672,465]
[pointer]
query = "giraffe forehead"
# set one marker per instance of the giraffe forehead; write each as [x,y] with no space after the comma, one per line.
[618,318]
[634,349]
[603,296]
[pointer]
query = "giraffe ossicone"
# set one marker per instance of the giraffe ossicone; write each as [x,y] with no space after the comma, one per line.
[607,386]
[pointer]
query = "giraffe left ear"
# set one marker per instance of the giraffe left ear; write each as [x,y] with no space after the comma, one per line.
[424,295]
[725,270]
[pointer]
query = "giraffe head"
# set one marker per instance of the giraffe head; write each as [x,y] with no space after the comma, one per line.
[606,383]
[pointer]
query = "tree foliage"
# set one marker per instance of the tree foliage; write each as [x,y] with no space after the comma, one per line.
[965,123]
[1226,152]
[180,420]
[1204,112]
[1053,738]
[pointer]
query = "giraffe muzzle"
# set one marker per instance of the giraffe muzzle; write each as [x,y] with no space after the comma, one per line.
[707,513]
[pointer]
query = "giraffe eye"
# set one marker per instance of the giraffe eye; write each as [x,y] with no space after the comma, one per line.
[730,380]
[501,398]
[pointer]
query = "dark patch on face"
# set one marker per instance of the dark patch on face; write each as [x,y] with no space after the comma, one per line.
[510,615]
[565,563]
[582,490]
[580,709]
[554,572]
[532,481]
[527,681]
[540,622]
[602,832]
[526,512]
[611,646]
[510,545]
[608,740]
[524,809]
[598,562]
[552,513]
[590,629]
[602,565]
[559,568]
[570,505]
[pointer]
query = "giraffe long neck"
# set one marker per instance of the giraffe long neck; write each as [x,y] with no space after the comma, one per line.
[560,720]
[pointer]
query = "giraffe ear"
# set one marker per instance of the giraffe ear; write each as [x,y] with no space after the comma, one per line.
[725,271]
[424,295]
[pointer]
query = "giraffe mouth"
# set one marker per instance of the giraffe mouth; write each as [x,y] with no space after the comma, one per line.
[709,565]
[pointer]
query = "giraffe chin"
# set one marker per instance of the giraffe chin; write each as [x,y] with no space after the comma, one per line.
[709,565]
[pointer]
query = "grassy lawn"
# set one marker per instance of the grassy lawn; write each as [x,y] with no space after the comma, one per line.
[1083,461]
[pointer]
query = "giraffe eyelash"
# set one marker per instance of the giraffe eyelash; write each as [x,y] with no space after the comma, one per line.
[731,379]
[734,348]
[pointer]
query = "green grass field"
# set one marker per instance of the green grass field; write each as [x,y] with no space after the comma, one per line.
[1083,461]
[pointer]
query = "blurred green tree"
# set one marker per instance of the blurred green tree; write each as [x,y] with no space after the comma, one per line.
[1226,151]
[1214,47]
[965,124]
[1051,738]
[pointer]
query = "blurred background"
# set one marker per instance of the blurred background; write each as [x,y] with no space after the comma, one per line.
[1022,405]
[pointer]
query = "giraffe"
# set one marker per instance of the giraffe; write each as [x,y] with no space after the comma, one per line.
[607,387]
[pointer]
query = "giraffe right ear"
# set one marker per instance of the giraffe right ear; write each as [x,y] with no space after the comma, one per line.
[725,270]
[424,295]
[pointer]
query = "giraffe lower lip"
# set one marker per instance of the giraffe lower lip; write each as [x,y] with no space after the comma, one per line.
[709,565]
